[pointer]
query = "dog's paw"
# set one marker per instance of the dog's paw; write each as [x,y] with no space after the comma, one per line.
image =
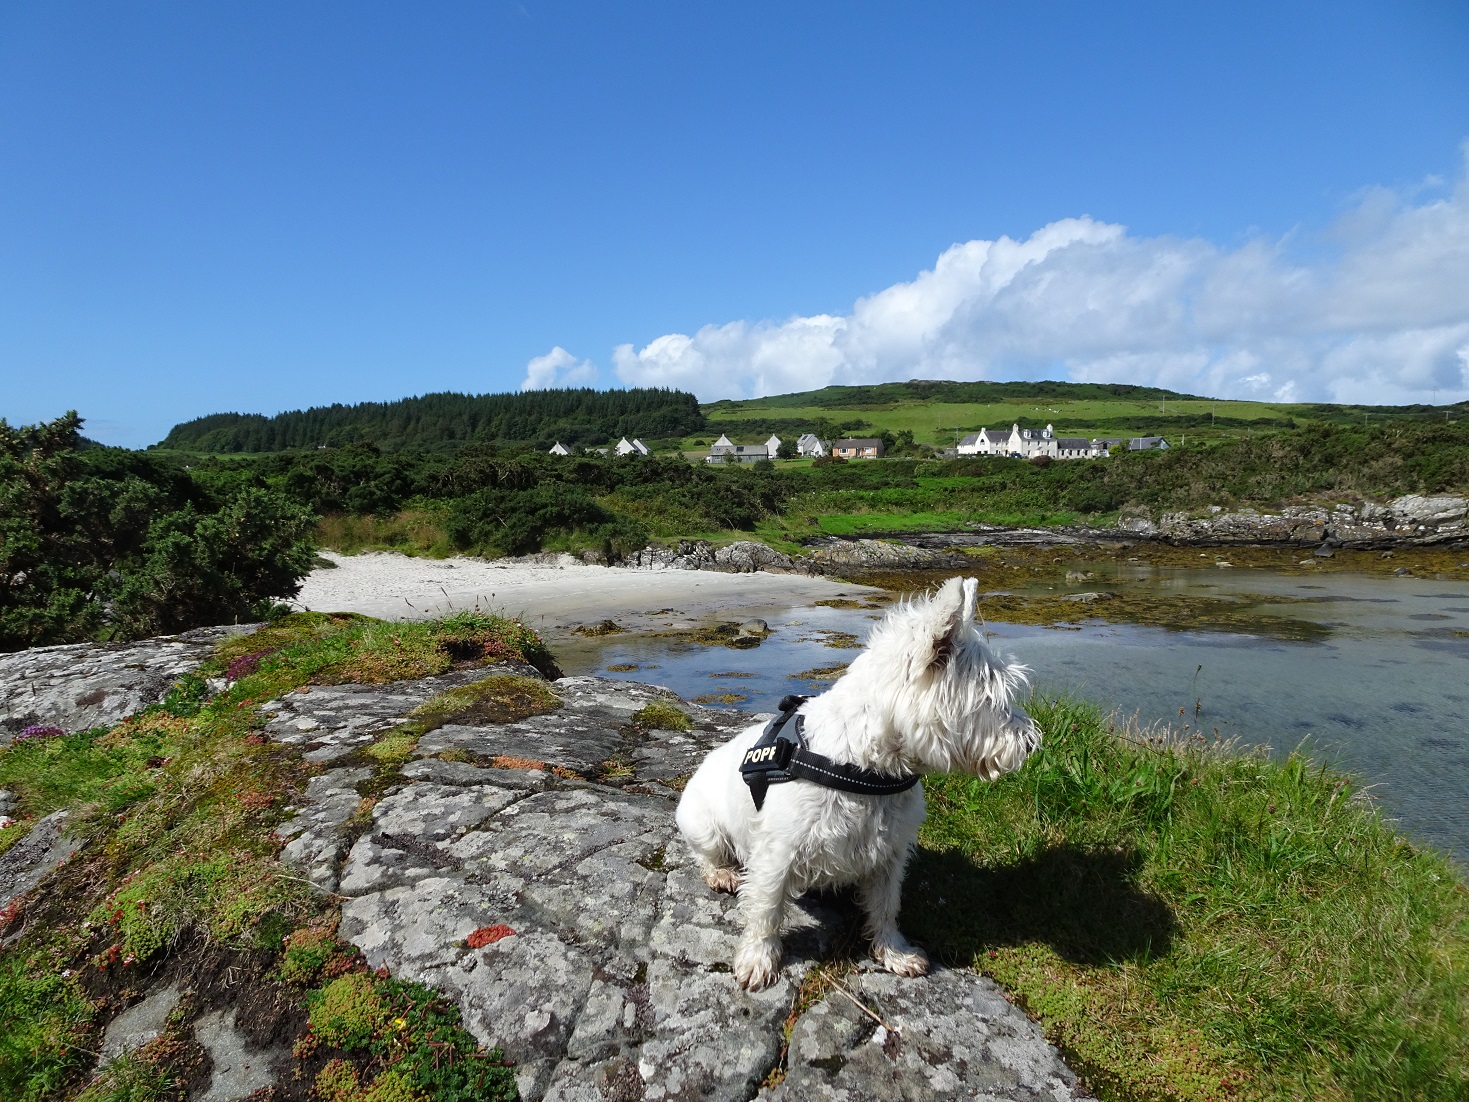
[756,965]
[723,880]
[907,961]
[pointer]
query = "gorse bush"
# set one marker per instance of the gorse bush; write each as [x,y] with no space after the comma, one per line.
[113,544]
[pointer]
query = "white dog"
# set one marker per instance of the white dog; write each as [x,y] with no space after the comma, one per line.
[925,696]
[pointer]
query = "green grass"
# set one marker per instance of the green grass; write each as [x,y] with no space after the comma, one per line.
[1188,922]
[942,423]
[660,716]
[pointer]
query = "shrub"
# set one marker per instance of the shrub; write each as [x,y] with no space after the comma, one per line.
[114,544]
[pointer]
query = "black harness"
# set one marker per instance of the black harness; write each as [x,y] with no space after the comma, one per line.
[779,756]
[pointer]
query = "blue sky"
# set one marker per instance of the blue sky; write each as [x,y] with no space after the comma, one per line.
[258,207]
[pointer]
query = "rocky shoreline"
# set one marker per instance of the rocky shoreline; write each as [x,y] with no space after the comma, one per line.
[1408,521]
[530,871]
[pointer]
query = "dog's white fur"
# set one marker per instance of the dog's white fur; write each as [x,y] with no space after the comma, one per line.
[925,696]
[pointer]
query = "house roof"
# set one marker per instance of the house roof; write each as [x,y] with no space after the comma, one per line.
[858,442]
[972,438]
[1073,442]
[723,442]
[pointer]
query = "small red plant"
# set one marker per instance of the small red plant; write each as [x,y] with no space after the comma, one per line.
[488,935]
[255,800]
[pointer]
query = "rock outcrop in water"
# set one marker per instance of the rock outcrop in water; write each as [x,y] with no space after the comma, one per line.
[564,917]
[1412,520]
[833,556]
[1406,521]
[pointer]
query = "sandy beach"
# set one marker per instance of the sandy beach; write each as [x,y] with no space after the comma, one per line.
[553,594]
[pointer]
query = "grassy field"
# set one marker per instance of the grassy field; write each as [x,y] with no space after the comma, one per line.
[942,422]
[1074,409]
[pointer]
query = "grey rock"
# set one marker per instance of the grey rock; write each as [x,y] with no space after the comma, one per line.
[1408,520]
[1140,526]
[28,862]
[138,1024]
[238,1068]
[84,685]
[7,801]
[434,812]
[318,832]
[1440,511]
[947,1035]
[464,775]
[838,555]
[333,720]
[749,556]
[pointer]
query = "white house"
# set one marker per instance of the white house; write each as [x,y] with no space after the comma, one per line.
[1022,443]
[725,450]
[773,445]
[809,447]
[560,449]
[631,447]
[982,442]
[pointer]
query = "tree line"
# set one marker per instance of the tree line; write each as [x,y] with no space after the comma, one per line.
[580,417]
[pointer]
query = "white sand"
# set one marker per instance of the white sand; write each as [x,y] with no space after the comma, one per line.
[553,593]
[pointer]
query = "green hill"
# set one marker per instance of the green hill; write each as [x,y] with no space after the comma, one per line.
[938,412]
[445,421]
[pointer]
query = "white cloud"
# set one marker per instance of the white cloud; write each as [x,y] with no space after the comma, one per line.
[558,367]
[1380,314]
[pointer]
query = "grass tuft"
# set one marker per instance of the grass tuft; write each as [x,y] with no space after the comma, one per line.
[659,716]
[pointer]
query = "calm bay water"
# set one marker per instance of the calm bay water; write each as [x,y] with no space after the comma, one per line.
[1383,691]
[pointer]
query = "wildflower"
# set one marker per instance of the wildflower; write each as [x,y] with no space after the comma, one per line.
[39,731]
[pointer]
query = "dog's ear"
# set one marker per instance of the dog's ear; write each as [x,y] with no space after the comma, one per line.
[950,609]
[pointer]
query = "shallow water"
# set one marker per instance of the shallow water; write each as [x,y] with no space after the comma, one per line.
[1382,689]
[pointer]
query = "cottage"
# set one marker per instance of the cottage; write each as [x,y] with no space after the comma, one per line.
[1021,443]
[724,450]
[982,442]
[560,449]
[632,447]
[809,447]
[773,445]
[865,447]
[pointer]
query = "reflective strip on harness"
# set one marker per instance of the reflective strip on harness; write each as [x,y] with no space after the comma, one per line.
[778,757]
